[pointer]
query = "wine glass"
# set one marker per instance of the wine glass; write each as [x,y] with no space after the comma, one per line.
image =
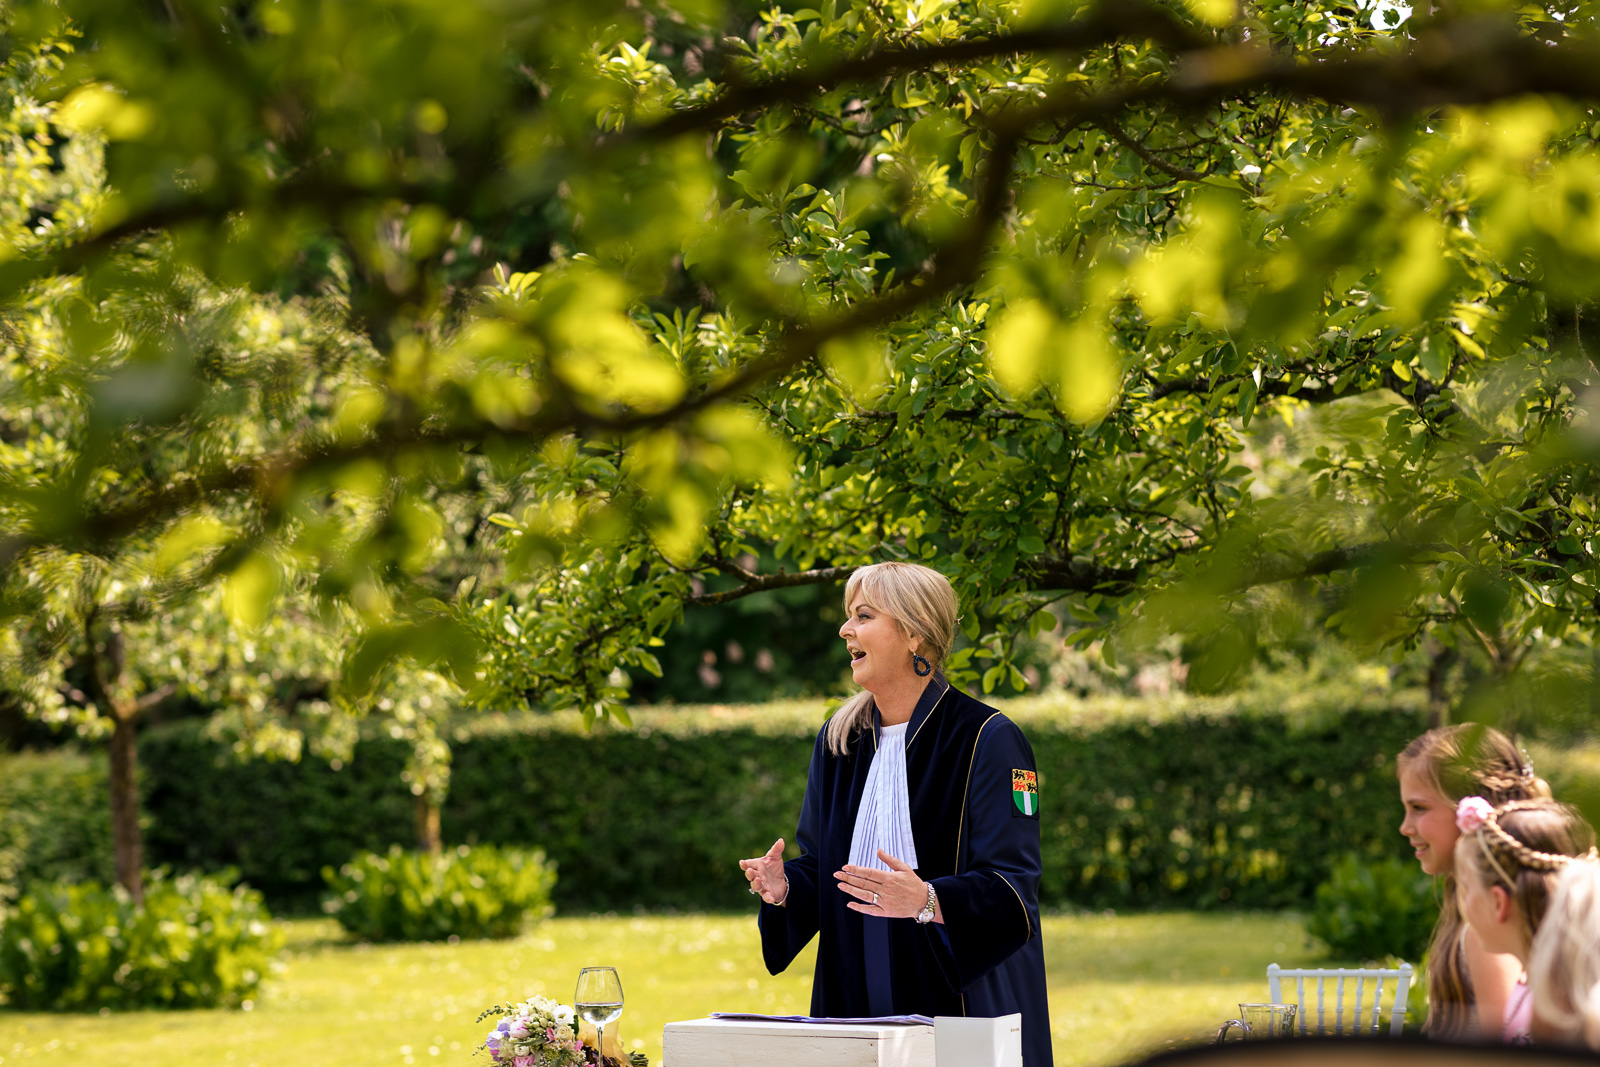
[599,1001]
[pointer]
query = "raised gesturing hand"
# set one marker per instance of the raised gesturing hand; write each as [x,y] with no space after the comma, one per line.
[893,894]
[765,875]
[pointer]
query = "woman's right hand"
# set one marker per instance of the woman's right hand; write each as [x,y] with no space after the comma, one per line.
[765,875]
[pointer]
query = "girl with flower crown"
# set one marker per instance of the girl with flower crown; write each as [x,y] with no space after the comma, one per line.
[1436,770]
[1507,862]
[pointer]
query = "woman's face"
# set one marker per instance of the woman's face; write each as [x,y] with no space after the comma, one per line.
[1487,909]
[1430,823]
[880,654]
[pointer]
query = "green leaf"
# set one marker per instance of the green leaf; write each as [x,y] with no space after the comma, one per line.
[992,676]
[250,590]
[1247,399]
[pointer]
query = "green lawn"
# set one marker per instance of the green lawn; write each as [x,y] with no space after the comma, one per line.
[1118,984]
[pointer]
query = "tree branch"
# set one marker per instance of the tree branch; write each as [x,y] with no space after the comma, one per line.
[760,583]
[1080,575]
[1288,568]
[1111,126]
[1317,394]
[1106,22]
[154,697]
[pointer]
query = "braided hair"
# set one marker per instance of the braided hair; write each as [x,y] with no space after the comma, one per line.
[1522,846]
[1461,761]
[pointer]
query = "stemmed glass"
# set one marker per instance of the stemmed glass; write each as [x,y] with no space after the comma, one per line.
[599,1001]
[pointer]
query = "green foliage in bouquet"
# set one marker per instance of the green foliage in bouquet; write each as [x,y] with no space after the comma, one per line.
[195,943]
[1374,910]
[467,892]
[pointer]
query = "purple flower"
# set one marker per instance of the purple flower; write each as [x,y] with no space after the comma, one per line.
[505,1026]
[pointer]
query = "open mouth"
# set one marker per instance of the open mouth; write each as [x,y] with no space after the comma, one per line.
[856,655]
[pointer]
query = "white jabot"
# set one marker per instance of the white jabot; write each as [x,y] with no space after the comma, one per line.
[884,819]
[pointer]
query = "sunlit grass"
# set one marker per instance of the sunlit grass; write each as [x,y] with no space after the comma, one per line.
[1117,985]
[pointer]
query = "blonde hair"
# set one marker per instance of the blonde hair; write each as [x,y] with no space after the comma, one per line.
[1522,847]
[1461,761]
[920,601]
[1564,965]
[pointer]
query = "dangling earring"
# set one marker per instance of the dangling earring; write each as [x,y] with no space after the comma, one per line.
[921,666]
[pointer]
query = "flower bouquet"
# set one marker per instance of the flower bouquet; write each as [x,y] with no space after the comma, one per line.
[541,1032]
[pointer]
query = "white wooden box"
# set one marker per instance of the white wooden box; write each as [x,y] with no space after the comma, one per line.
[752,1043]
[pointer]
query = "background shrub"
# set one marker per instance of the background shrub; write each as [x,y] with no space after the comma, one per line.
[467,892]
[1371,911]
[55,820]
[196,943]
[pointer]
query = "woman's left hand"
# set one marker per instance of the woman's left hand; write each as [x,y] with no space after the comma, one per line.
[893,894]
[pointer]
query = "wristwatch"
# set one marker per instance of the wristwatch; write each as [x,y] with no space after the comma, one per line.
[926,914]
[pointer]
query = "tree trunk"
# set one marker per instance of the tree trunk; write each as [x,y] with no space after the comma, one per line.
[125,833]
[126,840]
[1440,658]
[428,839]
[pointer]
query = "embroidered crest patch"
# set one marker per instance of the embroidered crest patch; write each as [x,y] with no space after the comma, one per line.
[1025,791]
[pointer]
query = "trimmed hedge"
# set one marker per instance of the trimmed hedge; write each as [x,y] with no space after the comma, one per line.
[279,824]
[1241,802]
[55,820]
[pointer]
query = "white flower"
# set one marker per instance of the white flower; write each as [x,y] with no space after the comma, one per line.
[564,1014]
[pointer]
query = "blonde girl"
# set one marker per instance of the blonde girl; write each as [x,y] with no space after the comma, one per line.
[1507,862]
[1564,966]
[1436,770]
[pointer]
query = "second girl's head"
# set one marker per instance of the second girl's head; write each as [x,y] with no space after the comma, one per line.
[1507,862]
[1446,764]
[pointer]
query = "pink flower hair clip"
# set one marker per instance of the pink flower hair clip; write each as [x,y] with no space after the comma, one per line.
[1472,814]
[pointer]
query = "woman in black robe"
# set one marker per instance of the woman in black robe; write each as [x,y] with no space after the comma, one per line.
[957,931]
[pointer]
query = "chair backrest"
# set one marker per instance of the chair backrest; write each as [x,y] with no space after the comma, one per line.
[1363,1018]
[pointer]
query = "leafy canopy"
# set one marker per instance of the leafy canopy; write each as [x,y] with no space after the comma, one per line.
[497,330]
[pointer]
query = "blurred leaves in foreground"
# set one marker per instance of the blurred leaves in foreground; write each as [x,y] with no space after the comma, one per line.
[386,356]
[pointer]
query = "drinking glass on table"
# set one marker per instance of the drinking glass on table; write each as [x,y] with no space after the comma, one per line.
[599,1001]
[1259,1021]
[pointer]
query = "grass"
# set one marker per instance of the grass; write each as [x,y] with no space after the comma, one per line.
[1118,985]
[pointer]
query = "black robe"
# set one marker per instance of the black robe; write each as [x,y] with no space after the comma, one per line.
[975,821]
